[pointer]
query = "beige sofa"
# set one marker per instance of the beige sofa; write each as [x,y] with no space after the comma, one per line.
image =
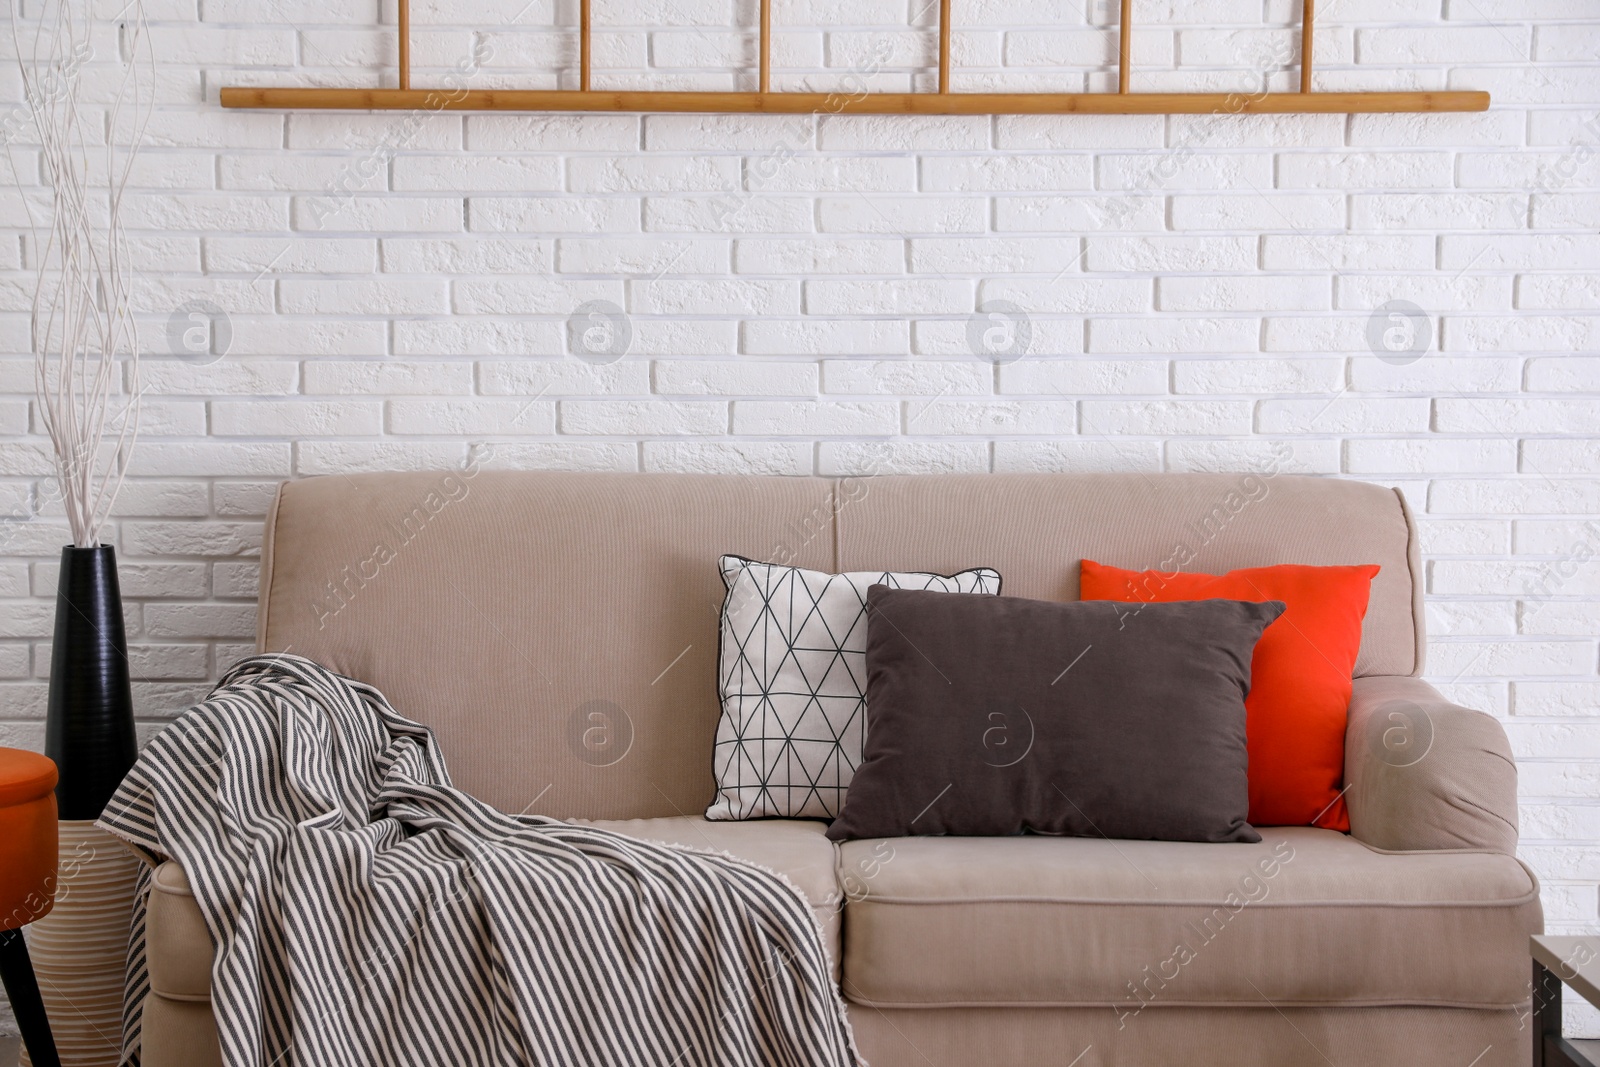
[559,632]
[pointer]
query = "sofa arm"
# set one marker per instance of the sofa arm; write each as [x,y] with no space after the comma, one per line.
[1422,773]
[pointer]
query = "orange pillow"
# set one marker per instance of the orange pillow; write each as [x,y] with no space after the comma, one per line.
[1299,677]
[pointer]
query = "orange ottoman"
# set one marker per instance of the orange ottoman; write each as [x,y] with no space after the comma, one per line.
[27,885]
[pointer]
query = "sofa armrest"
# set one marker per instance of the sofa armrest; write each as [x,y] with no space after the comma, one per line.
[1422,773]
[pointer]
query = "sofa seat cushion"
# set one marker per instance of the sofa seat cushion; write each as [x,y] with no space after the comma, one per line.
[1306,917]
[795,848]
[180,949]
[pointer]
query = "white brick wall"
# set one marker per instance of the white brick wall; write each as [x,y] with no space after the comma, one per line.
[799,290]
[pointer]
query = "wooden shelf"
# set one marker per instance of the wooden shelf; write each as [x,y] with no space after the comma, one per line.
[854,104]
[943,102]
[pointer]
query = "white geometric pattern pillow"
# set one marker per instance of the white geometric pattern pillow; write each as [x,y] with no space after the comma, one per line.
[793,680]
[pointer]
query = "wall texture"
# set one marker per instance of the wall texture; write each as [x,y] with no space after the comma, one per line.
[842,294]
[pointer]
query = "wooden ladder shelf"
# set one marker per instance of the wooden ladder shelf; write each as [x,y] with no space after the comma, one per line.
[943,102]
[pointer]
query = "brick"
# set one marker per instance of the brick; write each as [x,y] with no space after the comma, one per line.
[1431,292]
[652,174]
[1073,377]
[1048,336]
[1071,294]
[378,214]
[563,377]
[1577,292]
[1439,211]
[1189,169]
[474,255]
[1430,456]
[469,173]
[1026,214]
[513,296]
[1515,496]
[1565,375]
[1279,211]
[374,296]
[471,416]
[168,539]
[200,459]
[634,256]
[295,418]
[385,377]
[898,296]
[696,417]
[1462,415]
[1173,335]
[815,255]
[552,214]
[488,337]
[903,133]
[565,455]
[1494,127]
[1170,253]
[1437,374]
[695,133]
[815,417]
[1227,457]
[714,296]
[848,459]
[1470,618]
[1263,374]
[1560,456]
[729,457]
[1030,457]
[1214,292]
[1513,659]
[553,133]
[742,212]
[993,255]
[1166,417]
[1345,414]
[1005,173]
[901,215]
[1363,170]
[825,337]
[256,255]
[907,377]
[349,457]
[734,377]
[200,620]
[944,416]
[242,499]
[163,499]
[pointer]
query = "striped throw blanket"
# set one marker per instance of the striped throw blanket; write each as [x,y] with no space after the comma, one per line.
[367,912]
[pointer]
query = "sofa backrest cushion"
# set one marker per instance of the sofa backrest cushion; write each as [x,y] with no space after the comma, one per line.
[558,631]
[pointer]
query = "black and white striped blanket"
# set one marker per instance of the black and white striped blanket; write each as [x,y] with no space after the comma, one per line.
[367,912]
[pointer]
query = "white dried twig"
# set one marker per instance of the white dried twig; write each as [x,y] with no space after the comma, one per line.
[83,327]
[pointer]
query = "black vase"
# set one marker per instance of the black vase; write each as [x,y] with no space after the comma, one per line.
[89,724]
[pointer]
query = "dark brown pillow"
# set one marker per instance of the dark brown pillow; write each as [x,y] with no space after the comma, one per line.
[997,715]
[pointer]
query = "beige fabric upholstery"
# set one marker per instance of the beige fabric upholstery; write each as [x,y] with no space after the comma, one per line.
[1424,773]
[178,946]
[179,1033]
[502,608]
[1261,1036]
[1035,528]
[1065,921]
[522,603]
[794,848]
